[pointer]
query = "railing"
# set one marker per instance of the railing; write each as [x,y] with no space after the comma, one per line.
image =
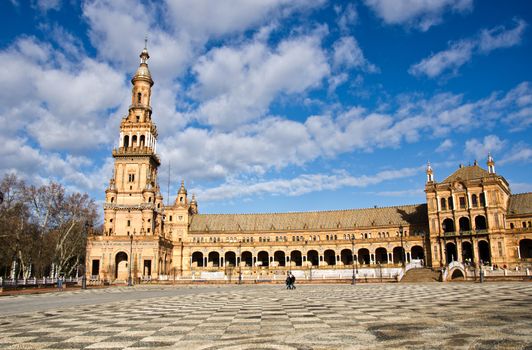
[465,233]
[8,282]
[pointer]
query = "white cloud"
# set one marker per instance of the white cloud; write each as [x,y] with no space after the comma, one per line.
[300,185]
[500,37]
[461,52]
[46,5]
[446,145]
[347,54]
[521,153]
[415,13]
[451,59]
[236,85]
[480,149]
[347,17]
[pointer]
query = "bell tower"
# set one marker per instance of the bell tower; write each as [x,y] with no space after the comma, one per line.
[134,204]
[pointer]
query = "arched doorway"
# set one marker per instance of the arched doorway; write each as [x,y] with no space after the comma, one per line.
[525,248]
[450,251]
[213,259]
[121,271]
[480,223]
[484,253]
[313,257]
[464,224]
[417,252]
[230,259]
[457,275]
[398,255]
[279,258]
[448,225]
[381,256]
[197,259]
[363,256]
[346,256]
[330,257]
[247,258]
[262,259]
[295,258]
[467,252]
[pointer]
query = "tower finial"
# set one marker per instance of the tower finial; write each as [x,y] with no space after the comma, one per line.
[146,41]
[430,175]
[491,164]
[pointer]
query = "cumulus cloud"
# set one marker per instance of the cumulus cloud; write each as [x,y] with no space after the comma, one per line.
[446,145]
[300,185]
[414,13]
[461,52]
[236,85]
[480,149]
[347,54]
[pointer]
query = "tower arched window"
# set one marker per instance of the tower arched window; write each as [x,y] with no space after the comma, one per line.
[126,141]
[139,97]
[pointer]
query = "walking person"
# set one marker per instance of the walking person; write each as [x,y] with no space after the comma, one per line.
[288,281]
[292,281]
[60,283]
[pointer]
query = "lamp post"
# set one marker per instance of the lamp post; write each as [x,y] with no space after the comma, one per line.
[239,260]
[83,267]
[402,248]
[354,277]
[129,280]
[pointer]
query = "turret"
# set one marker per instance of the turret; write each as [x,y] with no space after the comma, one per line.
[491,164]
[193,205]
[430,176]
[181,199]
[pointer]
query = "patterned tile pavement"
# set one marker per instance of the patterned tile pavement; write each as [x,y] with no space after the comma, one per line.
[392,316]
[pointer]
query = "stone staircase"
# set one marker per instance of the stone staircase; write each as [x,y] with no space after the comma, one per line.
[421,275]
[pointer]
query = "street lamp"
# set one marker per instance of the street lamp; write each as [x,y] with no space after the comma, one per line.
[353,278]
[129,280]
[402,248]
[83,267]
[239,261]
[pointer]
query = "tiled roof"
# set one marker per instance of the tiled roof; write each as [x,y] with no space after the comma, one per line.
[467,173]
[405,215]
[520,203]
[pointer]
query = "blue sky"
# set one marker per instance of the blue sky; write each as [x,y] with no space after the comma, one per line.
[274,105]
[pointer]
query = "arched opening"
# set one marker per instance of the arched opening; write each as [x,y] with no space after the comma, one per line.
[484,253]
[121,271]
[213,259]
[398,255]
[142,140]
[381,256]
[480,223]
[448,225]
[443,204]
[230,259]
[467,252]
[313,257]
[139,97]
[363,256]
[126,141]
[330,257]
[295,258]
[247,258]
[450,251]
[134,141]
[417,252]
[525,248]
[262,259]
[464,224]
[474,200]
[457,274]
[197,259]
[279,258]
[346,256]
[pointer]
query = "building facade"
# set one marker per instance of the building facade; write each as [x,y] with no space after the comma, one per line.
[471,217]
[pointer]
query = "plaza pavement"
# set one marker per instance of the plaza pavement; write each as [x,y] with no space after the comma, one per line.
[365,316]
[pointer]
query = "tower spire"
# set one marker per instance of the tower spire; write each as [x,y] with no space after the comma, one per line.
[430,176]
[491,164]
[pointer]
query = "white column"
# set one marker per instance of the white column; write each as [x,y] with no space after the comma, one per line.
[518,252]
[438,203]
[469,203]
[121,144]
[486,200]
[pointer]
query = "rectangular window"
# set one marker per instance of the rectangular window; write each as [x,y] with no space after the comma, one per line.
[129,223]
[170,217]
[500,248]
[462,202]
[131,178]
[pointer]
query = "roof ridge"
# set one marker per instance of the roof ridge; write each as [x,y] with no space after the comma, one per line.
[318,211]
